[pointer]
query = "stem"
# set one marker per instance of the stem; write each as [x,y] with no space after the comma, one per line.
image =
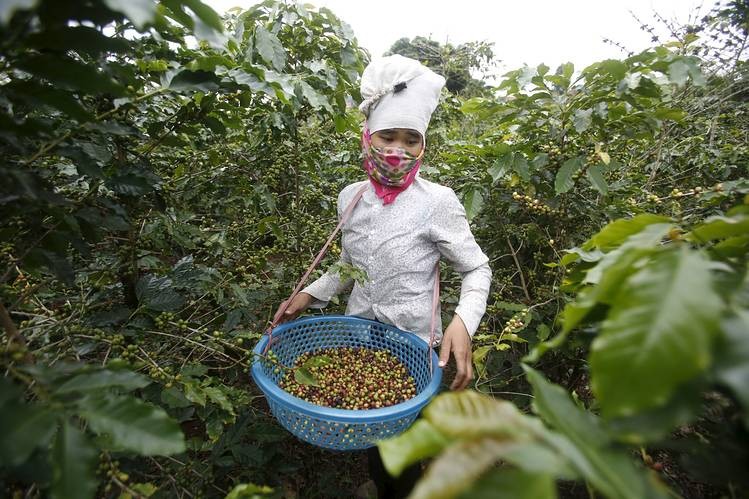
[520,270]
[14,336]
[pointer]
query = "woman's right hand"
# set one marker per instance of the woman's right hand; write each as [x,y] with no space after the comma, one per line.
[298,305]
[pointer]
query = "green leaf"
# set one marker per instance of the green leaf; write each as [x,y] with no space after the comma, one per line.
[658,334]
[520,166]
[174,399]
[195,393]
[595,177]
[616,68]
[219,397]
[74,460]
[70,74]
[101,379]
[36,95]
[615,233]
[473,202]
[458,467]
[313,97]
[420,441]
[668,113]
[133,424]
[24,428]
[582,119]
[479,358]
[140,12]
[303,376]
[584,442]
[501,166]
[719,228]
[732,363]
[468,414]
[204,81]
[270,49]
[157,293]
[8,7]
[318,361]
[564,181]
[655,425]
[248,491]
[82,39]
[682,69]
[205,14]
[512,484]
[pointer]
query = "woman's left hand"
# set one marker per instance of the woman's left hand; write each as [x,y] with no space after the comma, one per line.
[457,341]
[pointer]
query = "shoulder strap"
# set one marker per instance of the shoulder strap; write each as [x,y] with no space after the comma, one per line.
[344,217]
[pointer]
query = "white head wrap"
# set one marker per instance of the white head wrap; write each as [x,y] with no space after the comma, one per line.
[399,92]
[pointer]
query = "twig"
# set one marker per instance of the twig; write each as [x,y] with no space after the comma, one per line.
[520,270]
[12,332]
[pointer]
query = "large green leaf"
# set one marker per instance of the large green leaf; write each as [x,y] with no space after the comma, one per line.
[36,94]
[204,81]
[157,293]
[512,484]
[458,467]
[582,119]
[467,414]
[313,97]
[248,491]
[583,441]
[82,39]
[473,202]
[140,12]
[270,49]
[563,181]
[520,166]
[654,425]
[420,441]
[608,275]
[732,363]
[658,334]
[720,228]
[501,166]
[68,73]
[74,460]
[24,428]
[101,379]
[132,424]
[615,233]
[595,177]
[205,14]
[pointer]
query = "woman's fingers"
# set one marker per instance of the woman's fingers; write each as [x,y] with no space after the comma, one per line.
[445,350]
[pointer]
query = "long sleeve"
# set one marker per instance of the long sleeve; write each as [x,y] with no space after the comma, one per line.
[474,290]
[456,243]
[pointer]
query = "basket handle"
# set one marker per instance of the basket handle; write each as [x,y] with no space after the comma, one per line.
[346,214]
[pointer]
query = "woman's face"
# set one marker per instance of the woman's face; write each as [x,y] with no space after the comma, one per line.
[405,138]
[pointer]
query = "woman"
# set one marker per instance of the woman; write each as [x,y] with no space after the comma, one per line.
[403,223]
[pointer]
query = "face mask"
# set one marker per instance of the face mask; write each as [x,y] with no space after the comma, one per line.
[389,166]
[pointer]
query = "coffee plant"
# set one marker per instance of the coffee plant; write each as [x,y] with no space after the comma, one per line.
[169,173]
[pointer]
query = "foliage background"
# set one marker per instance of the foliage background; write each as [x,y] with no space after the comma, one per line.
[169,174]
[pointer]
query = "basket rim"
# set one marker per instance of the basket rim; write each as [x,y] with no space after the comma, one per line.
[407,408]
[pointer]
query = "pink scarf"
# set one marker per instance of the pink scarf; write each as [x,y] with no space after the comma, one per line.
[387,193]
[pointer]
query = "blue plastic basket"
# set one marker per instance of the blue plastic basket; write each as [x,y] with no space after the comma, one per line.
[344,429]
